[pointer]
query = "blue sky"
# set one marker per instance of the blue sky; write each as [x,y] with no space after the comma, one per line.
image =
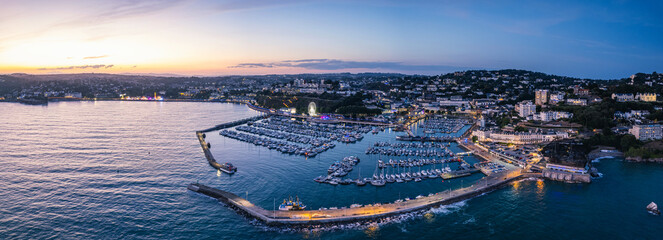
[593,39]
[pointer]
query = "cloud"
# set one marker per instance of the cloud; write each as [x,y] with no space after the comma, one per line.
[95,57]
[238,5]
[123,9]
[335,64]
[98,66]
[117,10]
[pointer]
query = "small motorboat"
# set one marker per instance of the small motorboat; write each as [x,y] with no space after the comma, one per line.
[653,209]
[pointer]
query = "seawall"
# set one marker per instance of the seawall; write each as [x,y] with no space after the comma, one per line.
[347,215]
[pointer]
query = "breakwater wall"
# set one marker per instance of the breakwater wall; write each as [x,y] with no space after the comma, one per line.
[234,123]
[208,154]
[348,215]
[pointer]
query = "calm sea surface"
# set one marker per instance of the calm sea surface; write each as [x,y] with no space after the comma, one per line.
[119,170]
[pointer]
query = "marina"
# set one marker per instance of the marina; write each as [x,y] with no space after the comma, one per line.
[390,172]
[434,125]
[291,136]
[410,162]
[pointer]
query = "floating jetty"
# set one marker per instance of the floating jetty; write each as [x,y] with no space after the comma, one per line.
[355,214]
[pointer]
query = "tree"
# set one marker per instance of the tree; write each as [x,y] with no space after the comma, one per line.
[475,138]
[520,129]
[628,141]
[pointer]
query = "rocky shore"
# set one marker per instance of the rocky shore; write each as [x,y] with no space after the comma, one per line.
[604,152]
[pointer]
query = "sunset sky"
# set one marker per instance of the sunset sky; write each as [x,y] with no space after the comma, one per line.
[593,39]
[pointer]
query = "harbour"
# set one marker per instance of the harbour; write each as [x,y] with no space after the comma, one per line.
[331,120]
[348,214]
[317,134]
[148,192]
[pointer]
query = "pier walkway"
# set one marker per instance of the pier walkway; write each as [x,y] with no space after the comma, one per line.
[363,213]
[235,123]
[208,153]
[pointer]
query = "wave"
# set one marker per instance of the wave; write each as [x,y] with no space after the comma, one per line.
[446,209]
[600,175]
[598,160]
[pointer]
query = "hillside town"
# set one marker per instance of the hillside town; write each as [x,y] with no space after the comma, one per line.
[514,110]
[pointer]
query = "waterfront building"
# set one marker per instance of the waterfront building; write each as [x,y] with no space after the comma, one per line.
[519,137]
[623,97]
[526,108]
[564,168]
[647,132]
[646,97]
[541,97]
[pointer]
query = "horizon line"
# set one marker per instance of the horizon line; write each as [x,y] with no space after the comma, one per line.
[308,73]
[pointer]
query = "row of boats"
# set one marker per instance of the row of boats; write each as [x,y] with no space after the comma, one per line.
[355,205]
[381,179]
[281,146]
[346,133]
[285,136]
[411,144]
[443,152]
[340,169]
[443,125]
[415,162]
[377,130]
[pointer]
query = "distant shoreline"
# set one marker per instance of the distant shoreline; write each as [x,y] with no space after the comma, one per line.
[124,100]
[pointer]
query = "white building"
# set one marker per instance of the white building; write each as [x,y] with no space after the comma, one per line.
[555,98]
[633,114]
[623,97]
[518,137]
[647,132]
[526,108]
[550,116]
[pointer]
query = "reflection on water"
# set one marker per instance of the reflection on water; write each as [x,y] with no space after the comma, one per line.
[372,231]
[516,186]
[540,187]
[430,217]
